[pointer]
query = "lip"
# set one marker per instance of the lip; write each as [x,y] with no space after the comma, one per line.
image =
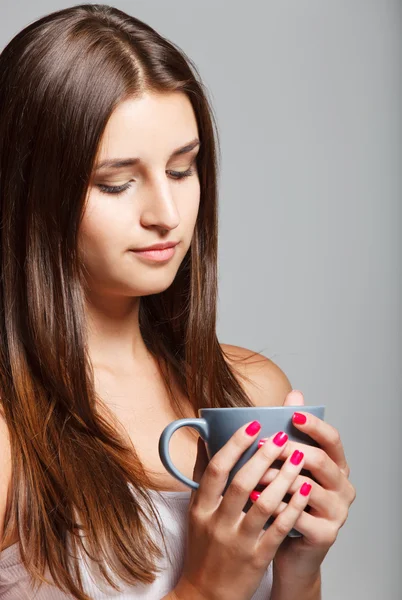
[160,246]
[162,255]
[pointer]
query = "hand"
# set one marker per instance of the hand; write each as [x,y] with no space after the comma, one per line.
[228,551]
[330,497]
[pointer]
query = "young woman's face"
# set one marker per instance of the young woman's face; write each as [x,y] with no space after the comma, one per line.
[138,205]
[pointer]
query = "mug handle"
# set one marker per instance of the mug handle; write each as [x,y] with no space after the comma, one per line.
[200,425]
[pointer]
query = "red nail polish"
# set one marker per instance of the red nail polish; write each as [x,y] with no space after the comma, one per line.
[261,443]
[255,495]
[296,457]
[280,438]
[253,428]
[305,489]
[299,418]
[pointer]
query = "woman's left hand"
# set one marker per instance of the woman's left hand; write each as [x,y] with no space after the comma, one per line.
[330,497]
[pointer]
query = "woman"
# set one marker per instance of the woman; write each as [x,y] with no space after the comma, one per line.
[107,147]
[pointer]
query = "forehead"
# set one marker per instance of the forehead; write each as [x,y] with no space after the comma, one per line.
[150,126]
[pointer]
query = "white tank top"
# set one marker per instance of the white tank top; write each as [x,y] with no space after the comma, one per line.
[172,508]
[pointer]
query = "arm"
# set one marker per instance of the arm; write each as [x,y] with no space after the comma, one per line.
[285,589]
[184,591]
[290,589]
[267,385]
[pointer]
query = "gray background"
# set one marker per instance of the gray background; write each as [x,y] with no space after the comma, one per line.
[308,99]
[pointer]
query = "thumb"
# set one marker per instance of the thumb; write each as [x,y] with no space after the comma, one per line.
[294,398]
[201,462]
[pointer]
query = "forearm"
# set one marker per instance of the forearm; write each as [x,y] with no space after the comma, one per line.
[184,591]
[288,588]
[283,588]
[173,595]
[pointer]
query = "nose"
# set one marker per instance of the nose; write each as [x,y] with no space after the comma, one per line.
[159,208]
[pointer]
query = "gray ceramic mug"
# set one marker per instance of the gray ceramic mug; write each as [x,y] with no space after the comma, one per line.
[217,425]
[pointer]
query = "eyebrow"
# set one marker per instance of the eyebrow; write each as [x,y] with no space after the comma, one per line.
[117,163]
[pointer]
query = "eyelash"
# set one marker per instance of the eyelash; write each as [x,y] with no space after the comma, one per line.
[119,189]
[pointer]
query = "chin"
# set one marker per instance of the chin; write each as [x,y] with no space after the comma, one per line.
[148,289]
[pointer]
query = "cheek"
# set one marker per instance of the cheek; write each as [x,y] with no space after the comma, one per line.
[189,207]
[104,231]
[100,228]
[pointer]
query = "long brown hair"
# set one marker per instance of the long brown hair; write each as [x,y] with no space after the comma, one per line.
[60,79]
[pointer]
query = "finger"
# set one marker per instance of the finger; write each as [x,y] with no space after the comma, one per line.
[324,502]
[247,478]
[316,530]
[321,466]
[201,463]
[270,539]
[270,498]
[327,437]
[222,462]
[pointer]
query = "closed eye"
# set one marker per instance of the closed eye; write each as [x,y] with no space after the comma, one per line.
[119,189]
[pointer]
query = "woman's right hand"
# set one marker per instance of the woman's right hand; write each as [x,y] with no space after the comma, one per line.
[228,551]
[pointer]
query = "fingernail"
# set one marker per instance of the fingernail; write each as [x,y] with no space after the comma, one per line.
[280,438]
[253,428]
[261,443]
[305,489]
[299,418]
[296,457]
[254,495]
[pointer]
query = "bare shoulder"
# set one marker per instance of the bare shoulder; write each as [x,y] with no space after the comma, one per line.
[260,377]
[5,471]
